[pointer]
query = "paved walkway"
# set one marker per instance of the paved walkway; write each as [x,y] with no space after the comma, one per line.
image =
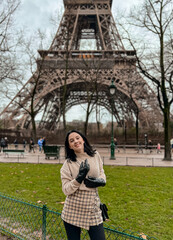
[128,157]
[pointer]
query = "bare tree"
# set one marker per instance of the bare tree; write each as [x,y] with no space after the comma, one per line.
[9,39]
[92,86]
[154,56]
[92,98]
[26,98]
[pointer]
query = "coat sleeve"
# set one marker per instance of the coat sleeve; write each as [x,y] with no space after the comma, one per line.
[102,173]
[69,184]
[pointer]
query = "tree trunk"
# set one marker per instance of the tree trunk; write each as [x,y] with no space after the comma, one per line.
[98,127]
[64,118]
[167,134]
[65,95]
[32,115]
[137,127]
[34,131]
[87,119]
[98,120]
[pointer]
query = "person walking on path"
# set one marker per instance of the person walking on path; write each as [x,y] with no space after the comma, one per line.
[24,144]
[16,143]
[81,174]
[31,146]
[171,144]
[116,144]
[158,148]
[40,144]
[139,147]
[150,145]
[2,143]
[43,142]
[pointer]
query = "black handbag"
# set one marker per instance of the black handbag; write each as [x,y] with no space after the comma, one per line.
[104,210]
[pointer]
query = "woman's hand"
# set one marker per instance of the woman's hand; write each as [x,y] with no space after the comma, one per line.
[91,182]
[83,170]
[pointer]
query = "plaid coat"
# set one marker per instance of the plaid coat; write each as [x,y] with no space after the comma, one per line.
[82,209]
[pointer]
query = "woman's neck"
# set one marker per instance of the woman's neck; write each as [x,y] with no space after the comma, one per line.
[80,153]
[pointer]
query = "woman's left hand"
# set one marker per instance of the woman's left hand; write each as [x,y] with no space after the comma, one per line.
[92,182]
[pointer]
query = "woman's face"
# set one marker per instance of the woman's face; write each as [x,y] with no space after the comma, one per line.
[76,142]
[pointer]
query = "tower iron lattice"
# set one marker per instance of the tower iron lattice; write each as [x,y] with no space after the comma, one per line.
[67,75]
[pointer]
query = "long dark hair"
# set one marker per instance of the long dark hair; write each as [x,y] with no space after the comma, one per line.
[70,154]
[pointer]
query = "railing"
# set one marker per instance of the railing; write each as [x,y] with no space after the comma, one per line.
[136,148]
[88,54]
[26,221]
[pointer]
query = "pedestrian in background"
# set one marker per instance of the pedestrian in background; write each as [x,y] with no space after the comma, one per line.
[116,144]
[150,145]
[40,144]
[44,142]
[24,144]
[31,146]
[2,143]
[140,147]
[16,143]
[158,148]
[171,144]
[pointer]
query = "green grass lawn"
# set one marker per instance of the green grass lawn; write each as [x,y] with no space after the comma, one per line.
[138,198]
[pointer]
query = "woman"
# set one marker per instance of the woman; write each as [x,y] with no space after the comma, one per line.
[81,174]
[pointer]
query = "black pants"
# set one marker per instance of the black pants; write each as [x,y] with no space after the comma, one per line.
[95,232]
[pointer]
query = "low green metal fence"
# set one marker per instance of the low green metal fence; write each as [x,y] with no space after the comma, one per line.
[26,221]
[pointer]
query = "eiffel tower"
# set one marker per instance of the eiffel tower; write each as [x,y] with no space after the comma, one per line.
[85,56]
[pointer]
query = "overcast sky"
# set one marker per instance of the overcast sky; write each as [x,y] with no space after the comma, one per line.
[34,14]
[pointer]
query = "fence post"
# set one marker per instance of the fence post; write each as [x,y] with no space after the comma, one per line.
[152,162]
[126,161]
[44,211]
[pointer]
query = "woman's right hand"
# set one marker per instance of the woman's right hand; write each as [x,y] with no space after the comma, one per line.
[83,170]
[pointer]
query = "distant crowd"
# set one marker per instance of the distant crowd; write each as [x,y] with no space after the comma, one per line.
[32,145]
[148,145]
[42,142]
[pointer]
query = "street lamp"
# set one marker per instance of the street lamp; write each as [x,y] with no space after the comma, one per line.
[146,140]
[112,92]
